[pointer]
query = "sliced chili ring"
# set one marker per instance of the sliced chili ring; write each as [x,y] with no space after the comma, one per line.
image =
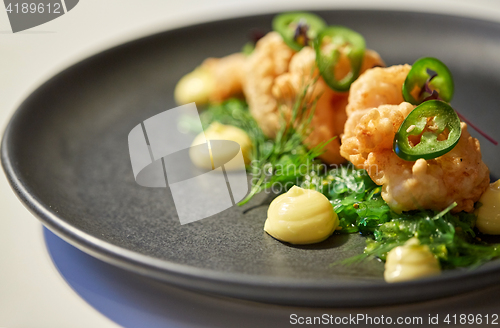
[431,130]
[298,29]
[428,74]
[332,43]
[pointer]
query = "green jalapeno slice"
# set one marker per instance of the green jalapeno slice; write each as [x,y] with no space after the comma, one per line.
[429,78]
[298,29]
[431,130]
[332,43]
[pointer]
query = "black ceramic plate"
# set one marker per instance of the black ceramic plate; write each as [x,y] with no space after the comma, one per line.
[65,153]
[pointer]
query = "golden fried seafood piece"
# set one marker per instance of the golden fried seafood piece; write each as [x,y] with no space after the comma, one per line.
[371,60]
[329,116]
[227,73]
[215,80]
[275,75]
[269,60]
[327,123]
[378,86]
[458,176]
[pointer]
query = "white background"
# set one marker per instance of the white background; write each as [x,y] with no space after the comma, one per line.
[32,293]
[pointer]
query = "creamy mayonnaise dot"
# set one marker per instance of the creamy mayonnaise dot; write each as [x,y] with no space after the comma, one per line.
[488,214]
[301,216]
[194,87]
[218,131]
[410,261]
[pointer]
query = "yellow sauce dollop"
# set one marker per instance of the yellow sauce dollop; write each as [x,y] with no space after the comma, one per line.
[410,261]
[301,216]
[194,87]
[488,215]
[218,131]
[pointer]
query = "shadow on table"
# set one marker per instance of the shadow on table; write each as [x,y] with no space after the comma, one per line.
[132,300]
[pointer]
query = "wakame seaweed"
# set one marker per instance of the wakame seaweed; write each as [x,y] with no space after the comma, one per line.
[358,202]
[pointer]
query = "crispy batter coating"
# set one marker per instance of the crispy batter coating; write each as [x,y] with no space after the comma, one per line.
[378,86]
[274,76]
[329,116]
[269,60]
[227,74]
[458,176]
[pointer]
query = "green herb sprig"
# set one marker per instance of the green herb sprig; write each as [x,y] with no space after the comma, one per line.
[287,152]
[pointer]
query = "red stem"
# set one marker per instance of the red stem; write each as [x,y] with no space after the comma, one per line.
[490,139]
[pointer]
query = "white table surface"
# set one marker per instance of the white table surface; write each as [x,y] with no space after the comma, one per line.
[33,293]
